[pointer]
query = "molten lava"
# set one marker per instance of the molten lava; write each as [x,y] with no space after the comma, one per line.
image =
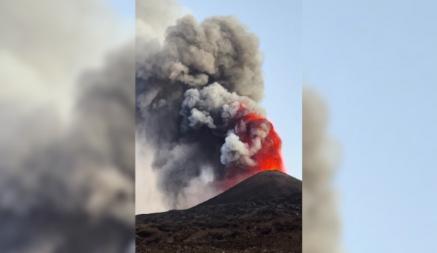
[259,134]
[268,157]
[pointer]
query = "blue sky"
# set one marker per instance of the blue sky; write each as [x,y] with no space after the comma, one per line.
[374,61]
[124,8]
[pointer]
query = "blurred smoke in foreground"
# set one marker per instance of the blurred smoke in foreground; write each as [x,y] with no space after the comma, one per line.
[321,228]
[67,134]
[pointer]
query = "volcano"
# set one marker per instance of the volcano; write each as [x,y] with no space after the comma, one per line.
[260,214]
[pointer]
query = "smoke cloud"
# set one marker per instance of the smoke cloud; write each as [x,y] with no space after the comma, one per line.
[197,109]
[320,217]
[67,137]
[152,20]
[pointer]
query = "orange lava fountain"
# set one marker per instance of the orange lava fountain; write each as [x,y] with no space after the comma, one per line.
[267,157]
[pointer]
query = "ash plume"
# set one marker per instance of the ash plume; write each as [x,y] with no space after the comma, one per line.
[152,20]
[321,230]
[197,109]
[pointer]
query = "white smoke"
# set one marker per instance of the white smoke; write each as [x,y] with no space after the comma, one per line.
[215,99]
[234,150]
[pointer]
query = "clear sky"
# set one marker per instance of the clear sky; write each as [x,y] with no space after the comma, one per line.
[125,9]
[278,29]
[375,62]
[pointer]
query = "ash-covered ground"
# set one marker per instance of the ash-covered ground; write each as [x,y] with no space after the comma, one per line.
[261,214]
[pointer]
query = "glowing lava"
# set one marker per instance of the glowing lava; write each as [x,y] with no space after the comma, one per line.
[259,134]
[268,156]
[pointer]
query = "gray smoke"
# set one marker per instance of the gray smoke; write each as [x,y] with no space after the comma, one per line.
[62,182]
[217,50]
[190,89]
[152,20]
[320,154]
[67,136]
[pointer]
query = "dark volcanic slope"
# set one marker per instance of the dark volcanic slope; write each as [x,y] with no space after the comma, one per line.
[264,186]
[261,214]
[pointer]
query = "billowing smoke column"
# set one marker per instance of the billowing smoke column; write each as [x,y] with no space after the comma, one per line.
[197,106]
[250,143]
